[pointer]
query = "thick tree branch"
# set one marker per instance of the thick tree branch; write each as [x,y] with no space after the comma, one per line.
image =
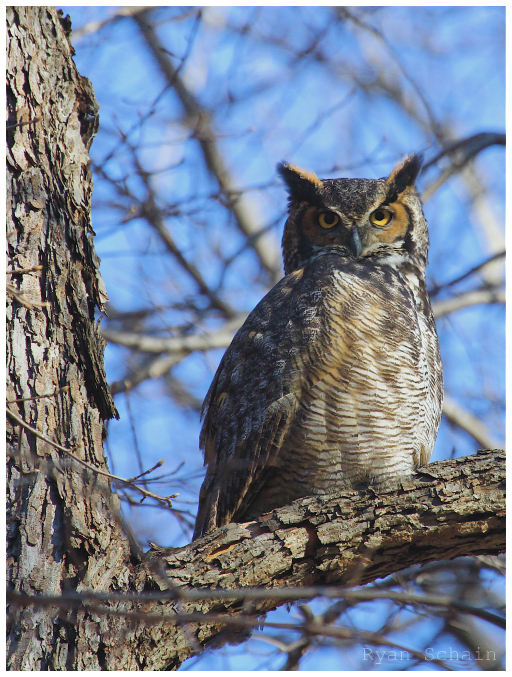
[451,508]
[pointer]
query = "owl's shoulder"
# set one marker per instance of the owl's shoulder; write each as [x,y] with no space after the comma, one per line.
[277,336]
[297,302]
[294,290]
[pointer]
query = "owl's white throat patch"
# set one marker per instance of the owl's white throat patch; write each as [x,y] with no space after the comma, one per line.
[393,259]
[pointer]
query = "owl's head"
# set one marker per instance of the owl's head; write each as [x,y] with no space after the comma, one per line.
[377,219]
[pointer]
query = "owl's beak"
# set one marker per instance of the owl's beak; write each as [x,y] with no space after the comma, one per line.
[355,242]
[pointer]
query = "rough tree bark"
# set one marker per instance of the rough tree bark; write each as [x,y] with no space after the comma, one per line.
[66,546]
[61,533]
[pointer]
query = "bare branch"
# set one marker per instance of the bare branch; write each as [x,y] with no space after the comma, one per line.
[474,297]
[472,635]
[471,424]
[286,594]
[476,269]
[467,148]
[95,26]
[98,471]
[461,152]
[198,120]
[175,344]
[344,13]
[491,229]
[155,368]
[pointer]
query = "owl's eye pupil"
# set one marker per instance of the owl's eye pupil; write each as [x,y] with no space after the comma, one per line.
[381,217]
[328,219]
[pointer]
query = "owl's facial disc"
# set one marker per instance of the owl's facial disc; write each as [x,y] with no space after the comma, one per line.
[385,227]
[322,227]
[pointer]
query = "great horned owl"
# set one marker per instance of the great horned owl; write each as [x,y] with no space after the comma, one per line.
[335,378]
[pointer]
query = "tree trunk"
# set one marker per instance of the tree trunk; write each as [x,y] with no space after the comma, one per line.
[61,531]
[67,555]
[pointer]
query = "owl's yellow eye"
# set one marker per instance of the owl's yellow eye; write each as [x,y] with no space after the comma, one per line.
[328,219]
[381,217]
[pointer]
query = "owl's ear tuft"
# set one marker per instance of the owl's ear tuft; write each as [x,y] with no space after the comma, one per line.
[405,173]
[302,184]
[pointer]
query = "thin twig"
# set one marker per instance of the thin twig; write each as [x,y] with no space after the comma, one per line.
[288,594]
[22,271]
[18,296]
[39,397]
[146,472]
[104,473]
[23,123]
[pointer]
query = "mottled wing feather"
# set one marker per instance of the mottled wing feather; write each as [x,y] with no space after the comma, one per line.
[236,483]
[254,397]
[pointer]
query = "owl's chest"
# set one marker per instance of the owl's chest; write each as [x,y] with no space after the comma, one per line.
[362,412]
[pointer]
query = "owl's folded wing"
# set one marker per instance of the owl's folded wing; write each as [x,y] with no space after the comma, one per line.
[254,398]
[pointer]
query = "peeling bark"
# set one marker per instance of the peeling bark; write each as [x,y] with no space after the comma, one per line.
[454,508]
[60,531]
[64,532]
